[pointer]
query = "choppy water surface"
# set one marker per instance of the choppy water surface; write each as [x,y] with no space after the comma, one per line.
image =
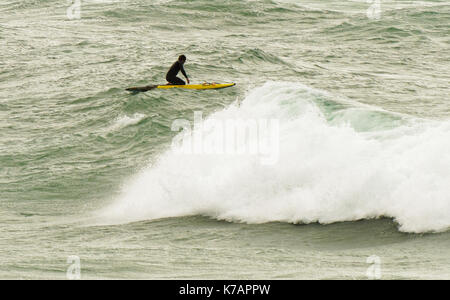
[361,97]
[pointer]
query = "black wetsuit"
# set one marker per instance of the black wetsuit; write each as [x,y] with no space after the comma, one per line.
[171,76]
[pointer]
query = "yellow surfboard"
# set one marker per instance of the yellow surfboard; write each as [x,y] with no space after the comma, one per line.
[202,86]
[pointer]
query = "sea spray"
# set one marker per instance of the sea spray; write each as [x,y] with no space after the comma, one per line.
[326,173]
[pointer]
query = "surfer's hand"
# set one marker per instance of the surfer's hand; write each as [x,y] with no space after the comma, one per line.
[188,80]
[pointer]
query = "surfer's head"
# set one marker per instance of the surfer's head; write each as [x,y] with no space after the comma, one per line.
[182,58]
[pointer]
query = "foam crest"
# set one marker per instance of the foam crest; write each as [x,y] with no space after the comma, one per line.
[326,172]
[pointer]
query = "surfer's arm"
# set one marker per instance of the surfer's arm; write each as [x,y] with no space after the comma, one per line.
[182,71]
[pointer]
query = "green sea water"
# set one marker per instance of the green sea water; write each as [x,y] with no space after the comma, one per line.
[360,91]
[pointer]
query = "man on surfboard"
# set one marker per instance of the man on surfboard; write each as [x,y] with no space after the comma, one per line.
[177,66]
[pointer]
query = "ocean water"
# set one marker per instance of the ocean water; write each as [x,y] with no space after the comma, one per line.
[360,181]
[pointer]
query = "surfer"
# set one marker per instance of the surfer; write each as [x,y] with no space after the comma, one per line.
[177,66]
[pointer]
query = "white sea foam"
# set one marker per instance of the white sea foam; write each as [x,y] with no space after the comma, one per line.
[124,121]
[325,173]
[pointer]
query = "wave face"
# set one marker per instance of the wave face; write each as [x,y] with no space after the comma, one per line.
[329,169]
